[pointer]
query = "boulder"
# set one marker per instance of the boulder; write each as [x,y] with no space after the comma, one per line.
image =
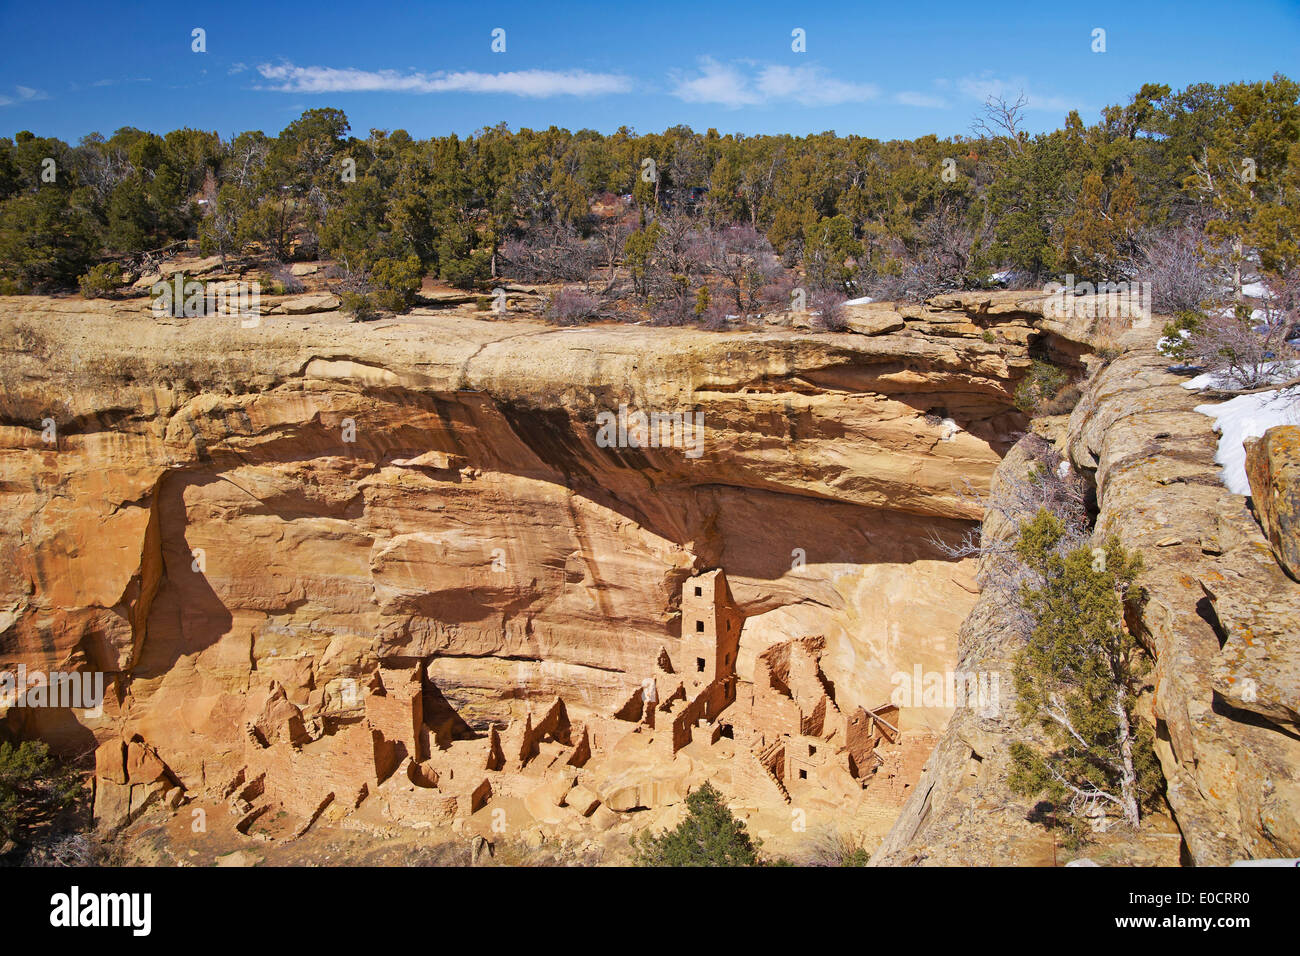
[308,304]
[582,800]
[874,319]
[1273,470]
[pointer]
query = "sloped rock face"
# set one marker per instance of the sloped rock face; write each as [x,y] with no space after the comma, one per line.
[1273,468]
[216,515]
[1219,617]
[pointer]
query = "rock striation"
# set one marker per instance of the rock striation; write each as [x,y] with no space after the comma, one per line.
[243,526]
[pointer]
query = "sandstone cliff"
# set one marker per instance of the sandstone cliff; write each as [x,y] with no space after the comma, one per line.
[220,515]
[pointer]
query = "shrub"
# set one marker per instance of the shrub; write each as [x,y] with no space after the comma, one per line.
[280,280]
[1176,337]
[101,281]
[828,303]
[396,282]
[709,836]
[359,305]
[469,271]
[571,306]
[1043,382]
[1238,356]
[831,846]
[34,790]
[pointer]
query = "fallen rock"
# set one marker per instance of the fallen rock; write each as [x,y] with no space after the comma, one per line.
[308,304]
[873,319]
[582,800]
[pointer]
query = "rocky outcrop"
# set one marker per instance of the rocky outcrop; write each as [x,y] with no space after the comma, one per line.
[1218,616]
[1273,469]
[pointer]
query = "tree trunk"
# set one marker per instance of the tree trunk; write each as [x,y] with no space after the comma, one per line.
[1128,777]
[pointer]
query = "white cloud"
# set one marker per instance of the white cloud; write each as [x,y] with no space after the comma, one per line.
[287,78]
[983,86]
[25,94]
[921,100]
[810,87]
[734,86]
[716,83]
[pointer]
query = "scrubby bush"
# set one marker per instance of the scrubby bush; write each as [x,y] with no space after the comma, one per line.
[828,305]
[831,846]
[1237,355]
[101,281]
[34,790]
[396,283]
[1042,383]
[1176,337]
[359,305]
[571,306]
[280,280]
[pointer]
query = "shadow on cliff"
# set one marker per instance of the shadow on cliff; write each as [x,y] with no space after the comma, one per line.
[187,615]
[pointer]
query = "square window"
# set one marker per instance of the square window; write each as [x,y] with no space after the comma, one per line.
[699,627]
[803,774]
[699,664]
[699,591]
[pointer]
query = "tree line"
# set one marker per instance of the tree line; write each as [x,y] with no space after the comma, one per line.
[1182,187]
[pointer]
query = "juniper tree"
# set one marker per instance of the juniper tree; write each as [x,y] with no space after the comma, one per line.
[709,836]
[1079,676]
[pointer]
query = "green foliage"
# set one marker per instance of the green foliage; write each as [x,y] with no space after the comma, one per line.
[1040,385]
[702,301]
[637,251]
[360,305]
[34,789]
[101,281]
[1078,677]
[856,857]
[396,282]
[709,836]
[859,214]
[1174,343]
[829,252]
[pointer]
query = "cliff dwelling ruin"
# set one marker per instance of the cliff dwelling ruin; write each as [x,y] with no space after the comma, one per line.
[403,753]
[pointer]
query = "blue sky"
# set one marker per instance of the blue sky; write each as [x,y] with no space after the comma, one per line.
[882,68]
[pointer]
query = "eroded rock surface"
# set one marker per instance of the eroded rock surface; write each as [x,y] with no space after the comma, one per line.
[1219,617]
[241,525]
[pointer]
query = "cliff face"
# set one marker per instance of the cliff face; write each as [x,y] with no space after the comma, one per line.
[218,508]
[1219,617]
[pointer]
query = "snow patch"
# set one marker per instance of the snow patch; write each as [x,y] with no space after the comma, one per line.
[863,300]
[1247,416]
[1278,372]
